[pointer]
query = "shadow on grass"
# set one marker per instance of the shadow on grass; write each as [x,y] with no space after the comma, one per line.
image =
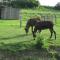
[27,55]
[24,51]
[11,51]
[17,36]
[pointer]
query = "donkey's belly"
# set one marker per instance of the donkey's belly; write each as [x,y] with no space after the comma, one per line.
[43,27]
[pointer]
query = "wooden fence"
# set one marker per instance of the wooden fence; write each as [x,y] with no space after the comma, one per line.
[44,16]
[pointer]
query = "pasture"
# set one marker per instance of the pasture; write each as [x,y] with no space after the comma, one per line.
[13,39]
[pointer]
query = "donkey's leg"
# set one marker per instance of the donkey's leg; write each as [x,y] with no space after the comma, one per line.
[32,29]
[34,33]
[39,31]
[54,33]
[51,31]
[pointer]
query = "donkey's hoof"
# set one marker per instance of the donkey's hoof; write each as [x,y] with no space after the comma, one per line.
[34,38]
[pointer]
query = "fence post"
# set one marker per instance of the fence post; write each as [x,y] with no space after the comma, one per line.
[20,18]
[55,19]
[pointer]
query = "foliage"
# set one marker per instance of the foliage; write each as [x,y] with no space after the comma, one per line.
[57,7]
[57,56]
[39,43]
[22,3]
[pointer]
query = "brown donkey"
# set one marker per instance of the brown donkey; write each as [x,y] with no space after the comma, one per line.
[31,23]
[44,25]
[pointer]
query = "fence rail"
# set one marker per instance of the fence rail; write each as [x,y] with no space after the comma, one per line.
[44,16]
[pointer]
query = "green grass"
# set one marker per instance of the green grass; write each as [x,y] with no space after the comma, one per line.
[12,35]
[13,39]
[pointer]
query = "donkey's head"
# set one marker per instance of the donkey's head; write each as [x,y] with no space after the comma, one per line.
[28,24]
[26,30]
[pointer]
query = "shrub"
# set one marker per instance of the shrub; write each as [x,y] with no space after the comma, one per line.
[39,43]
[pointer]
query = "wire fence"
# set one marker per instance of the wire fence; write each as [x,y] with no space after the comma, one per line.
[44,16]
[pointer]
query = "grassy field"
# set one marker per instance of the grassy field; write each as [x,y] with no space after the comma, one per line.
[10,32]
[14,39]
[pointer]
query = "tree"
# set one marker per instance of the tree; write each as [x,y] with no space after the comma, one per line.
[21,3]
[57,6]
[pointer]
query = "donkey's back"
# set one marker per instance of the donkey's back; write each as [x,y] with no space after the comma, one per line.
[44,25]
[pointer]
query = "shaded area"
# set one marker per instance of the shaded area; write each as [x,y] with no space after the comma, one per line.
[56,51]
[17,36]
[27,51]
[23,51]
[26,55]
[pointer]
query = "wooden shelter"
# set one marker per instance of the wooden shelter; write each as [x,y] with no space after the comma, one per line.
[9,13]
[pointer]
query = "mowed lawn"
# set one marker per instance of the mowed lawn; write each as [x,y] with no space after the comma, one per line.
[11,33]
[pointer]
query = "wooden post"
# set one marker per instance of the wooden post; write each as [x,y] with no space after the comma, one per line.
[55,19]
[20,18]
